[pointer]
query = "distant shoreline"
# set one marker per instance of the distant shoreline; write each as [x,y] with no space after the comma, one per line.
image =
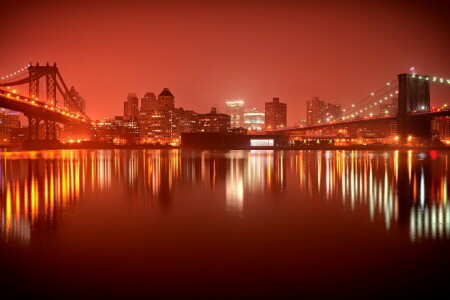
[139,147]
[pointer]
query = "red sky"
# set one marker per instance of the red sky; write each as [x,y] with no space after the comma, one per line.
[208,52]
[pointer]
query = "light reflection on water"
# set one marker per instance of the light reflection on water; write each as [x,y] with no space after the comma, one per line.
[396,188]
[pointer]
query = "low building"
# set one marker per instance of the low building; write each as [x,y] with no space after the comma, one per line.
[8,122]
[230,140]
[116,131]
[213,122]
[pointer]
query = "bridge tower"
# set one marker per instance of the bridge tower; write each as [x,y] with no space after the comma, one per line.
[36,72]
[413,97]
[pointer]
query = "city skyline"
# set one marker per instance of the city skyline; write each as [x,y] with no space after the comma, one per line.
[252,56]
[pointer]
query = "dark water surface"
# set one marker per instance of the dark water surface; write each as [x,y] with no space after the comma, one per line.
[224,224]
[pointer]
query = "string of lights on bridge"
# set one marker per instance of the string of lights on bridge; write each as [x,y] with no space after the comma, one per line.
[16,73]
[35,102]
[386,96]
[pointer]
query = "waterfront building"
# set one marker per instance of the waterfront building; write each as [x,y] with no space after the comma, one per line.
[186,120]
[235,109]
[116,131]
[213,122]
[159,123]
[253,119]
[440,127]
[8,122]
[275,114]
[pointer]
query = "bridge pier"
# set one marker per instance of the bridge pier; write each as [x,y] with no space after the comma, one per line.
[33,142]
[33,128]
[413,97]
[50,130]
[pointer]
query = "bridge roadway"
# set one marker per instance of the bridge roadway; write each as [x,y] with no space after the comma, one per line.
[362,121]
[33,107]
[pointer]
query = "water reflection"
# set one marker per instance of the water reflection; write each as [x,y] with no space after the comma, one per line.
[401,188]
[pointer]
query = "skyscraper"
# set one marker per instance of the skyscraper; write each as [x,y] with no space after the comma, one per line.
[73,101]
[276,114]
[235,109]
[131,107]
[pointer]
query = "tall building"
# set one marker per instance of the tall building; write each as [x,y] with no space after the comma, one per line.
[73,101]
[276,114]
[318,111]
[235,109]
[213,122]
[158,123]
[131,107]
[314,109]
[166,99]
[149,100]
[253,119]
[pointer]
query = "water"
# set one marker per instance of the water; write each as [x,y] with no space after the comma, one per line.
[223,224]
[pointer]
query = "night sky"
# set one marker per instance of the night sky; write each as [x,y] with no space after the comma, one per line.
[208,52]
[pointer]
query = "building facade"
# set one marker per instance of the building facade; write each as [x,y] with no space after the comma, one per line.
[159,122]
[318,111]
[9,121]
[74,102]
[275,114]
[131,108]
[214,122]
[116,131]
[253,119]
[149,100]
[235,109]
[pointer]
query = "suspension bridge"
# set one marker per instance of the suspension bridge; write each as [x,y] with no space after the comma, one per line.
[32,90]
[409,93]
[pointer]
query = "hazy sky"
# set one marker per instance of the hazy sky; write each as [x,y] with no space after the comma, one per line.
[208,52]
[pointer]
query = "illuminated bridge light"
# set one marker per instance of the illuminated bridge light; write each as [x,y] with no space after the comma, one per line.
[388,83]
[371,94]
